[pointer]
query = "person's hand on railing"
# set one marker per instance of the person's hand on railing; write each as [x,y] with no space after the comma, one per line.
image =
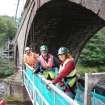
[47,85]
[49,82]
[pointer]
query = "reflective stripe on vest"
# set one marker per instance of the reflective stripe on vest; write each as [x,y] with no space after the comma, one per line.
[45,64]
[71,78]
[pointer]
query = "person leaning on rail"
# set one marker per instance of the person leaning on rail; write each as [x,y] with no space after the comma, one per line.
[47,64]
[67,73]
[30,58]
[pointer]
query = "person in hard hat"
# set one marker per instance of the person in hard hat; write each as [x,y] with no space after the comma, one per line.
[67,73]
[47,64]
[30,58]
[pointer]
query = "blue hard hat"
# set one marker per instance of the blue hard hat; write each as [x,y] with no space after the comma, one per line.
[63,50]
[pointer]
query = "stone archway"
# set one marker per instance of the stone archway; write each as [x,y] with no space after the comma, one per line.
[64,23]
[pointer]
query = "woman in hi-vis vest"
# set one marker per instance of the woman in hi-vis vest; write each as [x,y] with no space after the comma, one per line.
[67,73]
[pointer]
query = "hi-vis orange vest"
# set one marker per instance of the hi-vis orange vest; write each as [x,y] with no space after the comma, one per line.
[30,59]
[71,78]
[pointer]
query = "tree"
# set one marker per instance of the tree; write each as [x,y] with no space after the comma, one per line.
[94,52]
[7,31]
[7,28]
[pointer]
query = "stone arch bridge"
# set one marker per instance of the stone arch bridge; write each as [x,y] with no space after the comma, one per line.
[69,23]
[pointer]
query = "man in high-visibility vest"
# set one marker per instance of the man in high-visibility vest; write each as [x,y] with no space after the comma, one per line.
[30,58]
[47,64]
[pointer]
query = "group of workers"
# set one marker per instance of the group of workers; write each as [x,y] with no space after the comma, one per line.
[58,71]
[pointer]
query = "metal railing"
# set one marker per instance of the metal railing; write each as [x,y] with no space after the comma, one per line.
[36,86]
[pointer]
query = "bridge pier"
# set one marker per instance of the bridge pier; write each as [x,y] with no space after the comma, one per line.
[14,88]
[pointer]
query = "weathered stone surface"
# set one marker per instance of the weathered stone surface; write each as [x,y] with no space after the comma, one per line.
[102,10]
[93,5]
[14,87]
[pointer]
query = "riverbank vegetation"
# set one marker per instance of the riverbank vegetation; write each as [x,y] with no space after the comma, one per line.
[7,68]
[92,58]
[7,33]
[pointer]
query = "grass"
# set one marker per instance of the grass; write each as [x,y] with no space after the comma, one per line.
[81,70]
[12,98]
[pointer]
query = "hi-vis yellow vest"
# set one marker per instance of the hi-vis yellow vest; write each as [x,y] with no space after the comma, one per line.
[71,78]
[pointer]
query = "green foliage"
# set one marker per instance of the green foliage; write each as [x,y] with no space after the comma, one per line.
[94,52]
[12,98]
[6,68]
[82,70]
[7,29]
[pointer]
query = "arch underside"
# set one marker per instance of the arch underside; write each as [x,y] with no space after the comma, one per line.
[63,23]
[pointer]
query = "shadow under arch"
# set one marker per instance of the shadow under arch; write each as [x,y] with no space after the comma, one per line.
[64,23]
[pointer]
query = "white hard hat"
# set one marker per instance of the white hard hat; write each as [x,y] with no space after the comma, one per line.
[27,49]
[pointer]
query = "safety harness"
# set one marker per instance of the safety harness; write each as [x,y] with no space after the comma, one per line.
[70,80]
[49,70]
